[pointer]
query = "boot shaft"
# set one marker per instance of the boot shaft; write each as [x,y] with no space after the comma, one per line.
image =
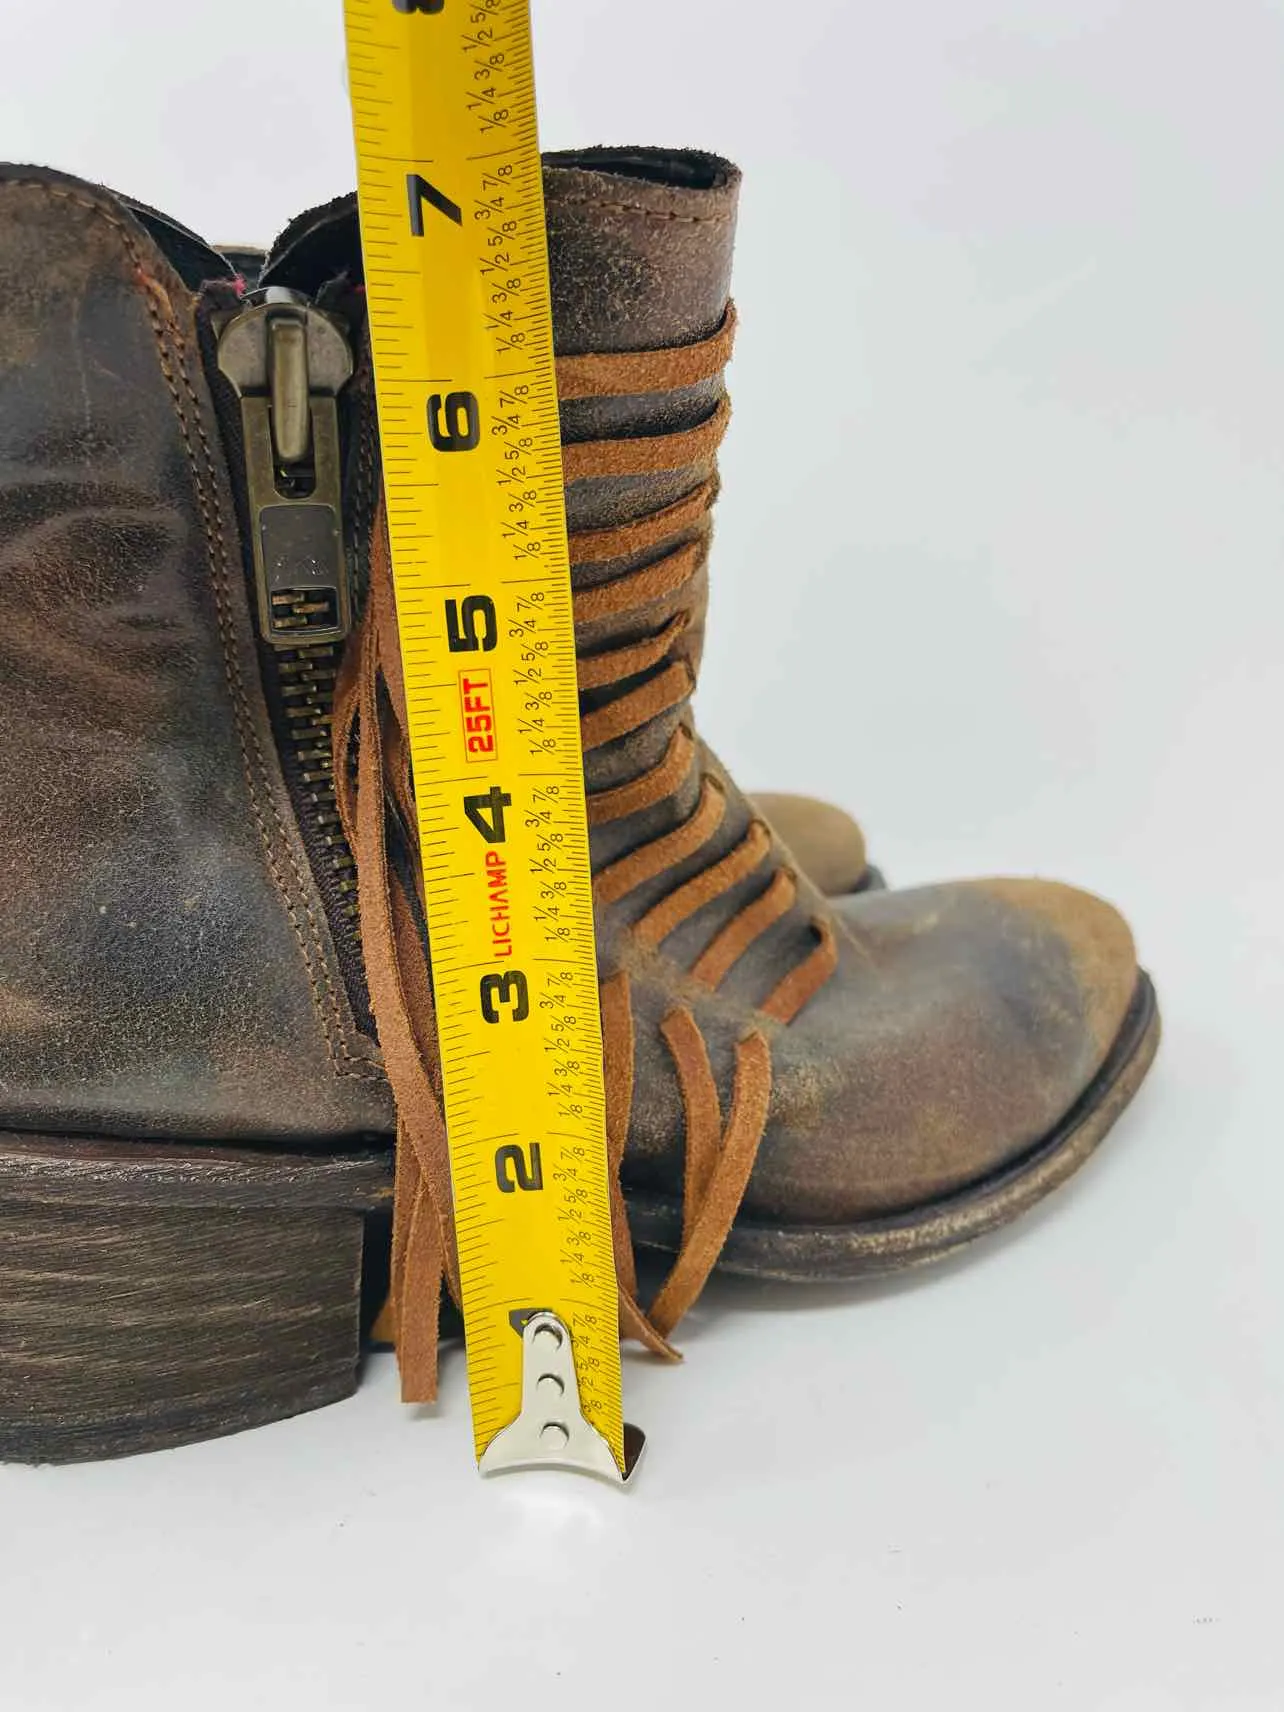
[180,946]
[640,251]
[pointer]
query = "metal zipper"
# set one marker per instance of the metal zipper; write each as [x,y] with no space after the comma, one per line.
[287,361]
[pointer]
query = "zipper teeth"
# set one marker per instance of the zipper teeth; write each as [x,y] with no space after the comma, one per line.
[308,675]
[299,686]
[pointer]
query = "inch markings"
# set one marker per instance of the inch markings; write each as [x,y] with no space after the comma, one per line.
[452,219]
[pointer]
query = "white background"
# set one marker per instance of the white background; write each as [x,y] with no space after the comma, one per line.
[1006,579]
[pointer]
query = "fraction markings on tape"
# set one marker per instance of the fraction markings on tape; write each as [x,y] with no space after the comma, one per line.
[456,262]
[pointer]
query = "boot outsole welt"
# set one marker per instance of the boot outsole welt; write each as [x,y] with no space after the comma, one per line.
[805,1254]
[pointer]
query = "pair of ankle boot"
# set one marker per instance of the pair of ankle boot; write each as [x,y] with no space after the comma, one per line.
[208,918]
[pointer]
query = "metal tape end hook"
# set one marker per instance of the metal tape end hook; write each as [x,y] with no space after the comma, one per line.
[550,1430]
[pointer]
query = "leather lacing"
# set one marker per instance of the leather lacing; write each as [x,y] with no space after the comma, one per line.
[374,796]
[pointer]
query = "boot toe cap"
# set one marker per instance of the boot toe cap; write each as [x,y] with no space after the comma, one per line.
[964,1022]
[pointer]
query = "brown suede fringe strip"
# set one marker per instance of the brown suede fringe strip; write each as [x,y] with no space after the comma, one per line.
[375,800]
[650,454]
[621,374]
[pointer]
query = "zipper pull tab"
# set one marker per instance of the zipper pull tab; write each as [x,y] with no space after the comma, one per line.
[287,362]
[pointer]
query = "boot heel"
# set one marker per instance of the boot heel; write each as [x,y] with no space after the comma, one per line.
[154,1295]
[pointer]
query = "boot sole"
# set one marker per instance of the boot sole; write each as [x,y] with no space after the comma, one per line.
[155,1295]
[829,1253]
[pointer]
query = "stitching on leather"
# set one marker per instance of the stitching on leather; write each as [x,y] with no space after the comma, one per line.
[365,471]
[349,1066]
[640,208]
[331,1026]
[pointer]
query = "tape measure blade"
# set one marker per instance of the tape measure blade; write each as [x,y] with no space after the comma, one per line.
[451,199]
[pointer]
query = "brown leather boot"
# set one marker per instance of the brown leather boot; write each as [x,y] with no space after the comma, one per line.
[794,1089]
[194,1118]
[197,1122]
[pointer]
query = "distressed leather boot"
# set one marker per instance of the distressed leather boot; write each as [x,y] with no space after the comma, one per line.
[215,1008]
[193,1115]
[795,1089]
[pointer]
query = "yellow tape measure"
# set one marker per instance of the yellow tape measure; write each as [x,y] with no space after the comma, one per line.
[456,261]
